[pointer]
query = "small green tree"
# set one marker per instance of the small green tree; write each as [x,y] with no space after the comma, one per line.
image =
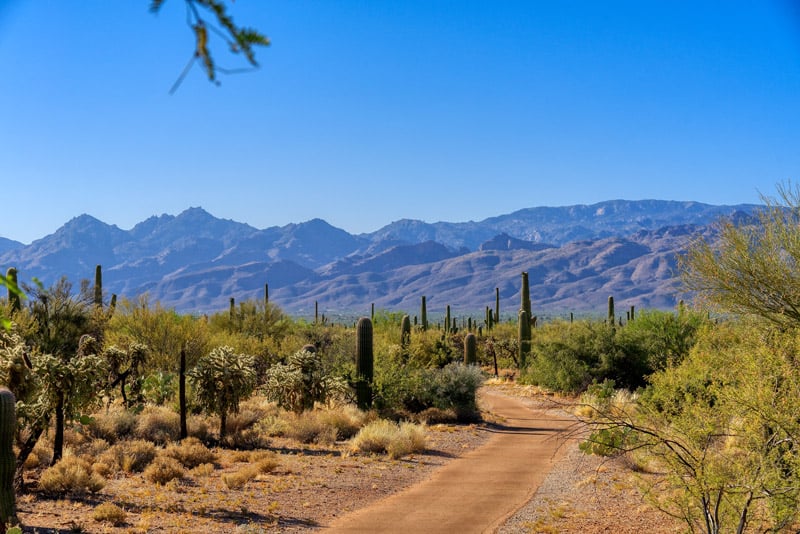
[222,379]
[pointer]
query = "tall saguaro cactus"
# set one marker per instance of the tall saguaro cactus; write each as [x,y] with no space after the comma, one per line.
[423,314]
[496,306]
[13,297]
[447,319]
[364,363]
[611,316]
[526,295]
[470,349]
[524,336]
[405,332]
[182,394]
[8,420]
[98,286]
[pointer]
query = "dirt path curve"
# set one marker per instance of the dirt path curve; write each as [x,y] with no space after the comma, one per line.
[477,492]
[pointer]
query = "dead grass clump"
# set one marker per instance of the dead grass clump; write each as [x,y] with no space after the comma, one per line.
[386,436]
[203,470]
[249,472]
[111,513]
[158,424]
[71,475]
[308,427]
[113,425]
[347,420]
[190,453]
[163,469]
[246,439]
[245,419]
[130,456]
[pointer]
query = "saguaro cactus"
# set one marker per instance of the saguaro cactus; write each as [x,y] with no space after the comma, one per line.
[364,363]
[182,394]
[98,286]
[423,314]
[405,331]
[8,420]
[470,349]
[447,319]
[13,297]
[526,295]
[611,315]
[496,306]
[524,336]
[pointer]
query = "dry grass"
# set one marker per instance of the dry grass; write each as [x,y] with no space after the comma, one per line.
[130,456]
[164,469]
[385,436]
[113,425]
[158,424]
[110,513]
[190,453]
[71,475]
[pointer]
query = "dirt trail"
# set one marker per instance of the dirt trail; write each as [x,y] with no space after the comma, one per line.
[477,492]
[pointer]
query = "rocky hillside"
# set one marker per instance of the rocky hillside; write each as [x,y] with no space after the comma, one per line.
[576,257]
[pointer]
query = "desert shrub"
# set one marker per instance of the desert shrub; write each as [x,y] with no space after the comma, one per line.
[456,385]
[410,438]
[163,469]
[113,425]
[158,424]
[203,470]
[385,436]
[453,387]
[346,419]
[130,456]
[110,513]
[309,427]
[190,453]
[71,475]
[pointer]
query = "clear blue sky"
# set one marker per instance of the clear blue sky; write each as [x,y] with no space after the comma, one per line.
[365,112]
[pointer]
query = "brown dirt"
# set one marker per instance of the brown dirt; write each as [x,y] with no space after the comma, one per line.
[315,486]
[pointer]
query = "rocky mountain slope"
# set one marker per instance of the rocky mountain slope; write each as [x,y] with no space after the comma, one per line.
[576,257]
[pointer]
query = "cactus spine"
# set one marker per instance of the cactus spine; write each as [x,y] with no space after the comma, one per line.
[470,349]
[98,286]
[364,363]
[13,297]
[8,421]
[423,315]
[524,336]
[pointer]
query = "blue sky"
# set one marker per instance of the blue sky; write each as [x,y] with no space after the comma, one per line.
[366,112]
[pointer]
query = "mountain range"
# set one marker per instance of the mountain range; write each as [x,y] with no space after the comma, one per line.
[576,256]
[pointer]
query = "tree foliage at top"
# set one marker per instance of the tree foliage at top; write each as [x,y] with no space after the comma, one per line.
[239,40]
[752,268]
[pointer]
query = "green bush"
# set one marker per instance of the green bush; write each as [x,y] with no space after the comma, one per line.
[302,381]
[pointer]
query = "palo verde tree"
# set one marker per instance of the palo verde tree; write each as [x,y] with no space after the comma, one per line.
[751,266]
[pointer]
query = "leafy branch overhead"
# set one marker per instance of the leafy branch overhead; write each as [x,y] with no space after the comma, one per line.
[240,40]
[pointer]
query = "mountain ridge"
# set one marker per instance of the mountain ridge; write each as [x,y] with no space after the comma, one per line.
[575,255]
